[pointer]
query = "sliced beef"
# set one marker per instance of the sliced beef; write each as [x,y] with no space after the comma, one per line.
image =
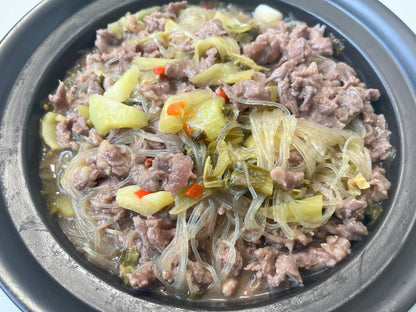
[298,50]
[379,185]
[286,96]
[282,72]
[247,90]
[72,123]
[265,260]
[211,28]
[236,265]
[157,93]
[328,255]
[285,268]
[352,209]
[149,179]
[94,137]
[59,99]
[181,69]
[200,276]
[230,286]
[377,139]
[210,58]
[286,179]
[112,160]
[152,235]
[156,21]
[170,172]
[142,277]
[179,168]
[349,229]
[320,45]
[295,158]
[350,102]
[106,41]
[89,83]
[266,49]
[152,47]
[84,176]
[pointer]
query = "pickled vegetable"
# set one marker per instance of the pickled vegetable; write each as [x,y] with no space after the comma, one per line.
[107,114]
[48,129]
[224,45]
[232,24]
[147,205]
[148,63]
[259,179]
[174,123]
[123,87]
[209,117]
[227,72]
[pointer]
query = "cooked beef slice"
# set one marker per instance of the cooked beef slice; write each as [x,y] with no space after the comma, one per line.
[170,172]
[286,179]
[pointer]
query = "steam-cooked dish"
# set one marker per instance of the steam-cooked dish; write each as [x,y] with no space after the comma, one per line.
[206,151]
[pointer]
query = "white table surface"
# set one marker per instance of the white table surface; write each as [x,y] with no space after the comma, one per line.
[12,11]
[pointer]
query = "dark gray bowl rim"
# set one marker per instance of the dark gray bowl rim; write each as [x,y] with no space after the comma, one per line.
[39,272]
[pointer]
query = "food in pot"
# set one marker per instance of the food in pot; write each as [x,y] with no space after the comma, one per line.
[206,151]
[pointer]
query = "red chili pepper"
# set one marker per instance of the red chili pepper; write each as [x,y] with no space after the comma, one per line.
[159,70]
[220,92]
[142,193]
[188,129]
[148,162]
[206,5]
[195,191]
[175,108]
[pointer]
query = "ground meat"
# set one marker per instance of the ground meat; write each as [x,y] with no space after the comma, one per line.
[59,100]
[211,28]
[379,185]
[286,179]
[142,277]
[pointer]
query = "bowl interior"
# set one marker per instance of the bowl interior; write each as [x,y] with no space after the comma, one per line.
[64,57]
